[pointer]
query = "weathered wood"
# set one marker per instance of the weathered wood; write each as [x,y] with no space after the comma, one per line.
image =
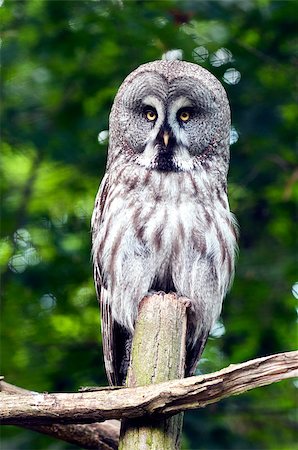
[158,354]
[99,436]
[93,436]
[170,397]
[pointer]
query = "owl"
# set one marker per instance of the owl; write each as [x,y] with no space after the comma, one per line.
[161,220]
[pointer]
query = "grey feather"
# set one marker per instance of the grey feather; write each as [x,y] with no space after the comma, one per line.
[162,219]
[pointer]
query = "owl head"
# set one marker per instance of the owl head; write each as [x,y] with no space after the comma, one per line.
[171,116]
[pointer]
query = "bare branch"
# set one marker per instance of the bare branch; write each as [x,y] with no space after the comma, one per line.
[165,398]
[93,436]
[100,436]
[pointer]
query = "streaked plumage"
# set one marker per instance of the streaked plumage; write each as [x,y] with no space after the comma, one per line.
[161,219]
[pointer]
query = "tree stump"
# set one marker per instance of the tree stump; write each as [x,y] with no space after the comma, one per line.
[157,355]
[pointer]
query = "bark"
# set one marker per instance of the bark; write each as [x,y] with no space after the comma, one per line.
[99,436]
[158,354]
[170,397]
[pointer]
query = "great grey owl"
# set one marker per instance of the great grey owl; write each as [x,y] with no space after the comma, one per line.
[161,220]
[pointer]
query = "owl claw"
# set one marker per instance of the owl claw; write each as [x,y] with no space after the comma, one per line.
[152,292]
[186,302]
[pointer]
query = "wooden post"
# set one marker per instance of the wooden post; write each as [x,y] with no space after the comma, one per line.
[158,354]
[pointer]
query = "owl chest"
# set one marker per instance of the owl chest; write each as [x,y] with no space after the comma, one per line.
[164,216]
[159,230]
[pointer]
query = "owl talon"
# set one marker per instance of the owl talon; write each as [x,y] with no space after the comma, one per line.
[152,292]
[186,302]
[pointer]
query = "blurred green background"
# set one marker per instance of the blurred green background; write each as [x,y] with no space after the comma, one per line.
[63,62]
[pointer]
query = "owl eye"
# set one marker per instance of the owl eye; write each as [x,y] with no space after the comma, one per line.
[184,116]
[150,114]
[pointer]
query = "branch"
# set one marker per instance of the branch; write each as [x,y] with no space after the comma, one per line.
[100,436]
[169,397]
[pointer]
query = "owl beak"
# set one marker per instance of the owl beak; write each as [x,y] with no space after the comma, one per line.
[166,138]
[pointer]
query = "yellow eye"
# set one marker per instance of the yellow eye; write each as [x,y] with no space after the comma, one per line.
[151,115]
[184,116]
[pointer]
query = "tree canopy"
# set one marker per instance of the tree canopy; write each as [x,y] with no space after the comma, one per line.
[62,63]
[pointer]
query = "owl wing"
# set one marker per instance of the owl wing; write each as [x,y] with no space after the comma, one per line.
[107,323]
[116,343]
[108,331]
[194,354]
[116,340]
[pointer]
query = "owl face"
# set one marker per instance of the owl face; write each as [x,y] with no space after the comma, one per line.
[173,118]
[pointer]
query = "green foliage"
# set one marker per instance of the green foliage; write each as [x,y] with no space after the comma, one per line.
[62,65]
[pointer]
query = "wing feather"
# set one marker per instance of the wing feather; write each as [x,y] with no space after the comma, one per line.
[107,323]
[108,344]
[194,354]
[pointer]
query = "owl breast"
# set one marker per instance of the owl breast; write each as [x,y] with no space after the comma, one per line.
[170,232]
